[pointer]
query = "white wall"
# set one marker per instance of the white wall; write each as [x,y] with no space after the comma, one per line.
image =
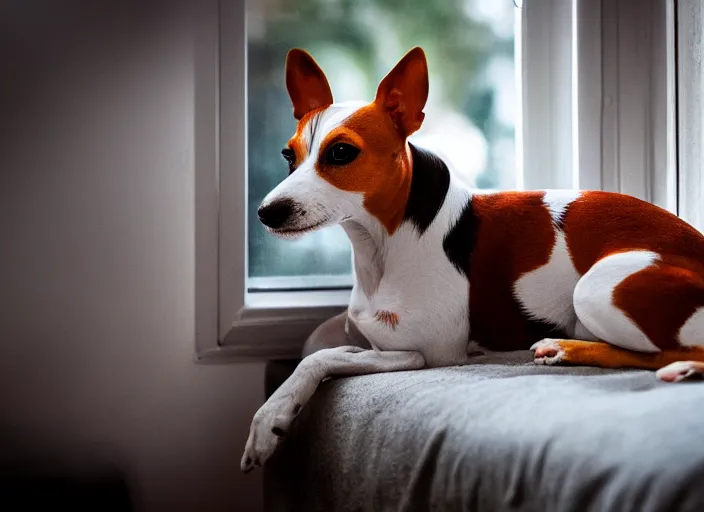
[97,255]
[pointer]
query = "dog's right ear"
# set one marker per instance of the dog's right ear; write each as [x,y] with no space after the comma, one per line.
[306,83]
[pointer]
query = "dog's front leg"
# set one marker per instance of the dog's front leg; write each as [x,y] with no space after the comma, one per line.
[273,419]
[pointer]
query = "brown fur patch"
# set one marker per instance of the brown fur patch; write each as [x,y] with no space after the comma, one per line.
[599,223]
[659,299]
[382,170]
[307,85]
[388,318]
[404,90]
[515,235]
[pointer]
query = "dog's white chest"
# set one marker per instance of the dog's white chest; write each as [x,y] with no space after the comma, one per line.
[423,309]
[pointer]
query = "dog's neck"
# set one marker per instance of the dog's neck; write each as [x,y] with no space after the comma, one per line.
[368,248]
[430,185]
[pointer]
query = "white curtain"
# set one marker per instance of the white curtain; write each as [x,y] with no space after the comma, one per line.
[690,71]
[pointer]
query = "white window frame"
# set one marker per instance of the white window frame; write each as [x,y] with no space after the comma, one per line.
[620,143]
[620,91]
[690,105]
[232,325]
[638,155]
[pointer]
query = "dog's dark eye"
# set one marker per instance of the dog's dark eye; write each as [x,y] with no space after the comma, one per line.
[341,154]
[290,157]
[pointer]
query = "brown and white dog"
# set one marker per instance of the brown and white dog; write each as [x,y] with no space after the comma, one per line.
[439,267]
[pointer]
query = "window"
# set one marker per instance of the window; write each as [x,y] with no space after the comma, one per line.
[524,94]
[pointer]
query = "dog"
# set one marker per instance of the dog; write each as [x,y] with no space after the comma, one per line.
[579,277]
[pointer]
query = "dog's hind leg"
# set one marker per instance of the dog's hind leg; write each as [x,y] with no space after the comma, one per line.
[273,419]
[650,310]
[605,355]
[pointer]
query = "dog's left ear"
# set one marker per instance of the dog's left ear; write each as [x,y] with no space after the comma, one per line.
[306,83]
[404,91]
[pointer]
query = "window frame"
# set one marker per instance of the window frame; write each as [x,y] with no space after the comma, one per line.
[270,325]
[622,96]
[689,22]
[614,133]
[637,99]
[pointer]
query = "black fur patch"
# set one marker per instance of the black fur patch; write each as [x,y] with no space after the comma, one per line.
[429,185]
[459,241]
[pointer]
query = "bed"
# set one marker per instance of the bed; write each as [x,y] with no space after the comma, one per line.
[498,434]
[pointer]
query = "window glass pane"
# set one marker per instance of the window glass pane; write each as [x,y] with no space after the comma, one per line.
[469,116]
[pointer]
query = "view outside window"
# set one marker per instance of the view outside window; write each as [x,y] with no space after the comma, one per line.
[470,114]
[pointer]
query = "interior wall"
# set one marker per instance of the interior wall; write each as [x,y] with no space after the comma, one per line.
[97,257]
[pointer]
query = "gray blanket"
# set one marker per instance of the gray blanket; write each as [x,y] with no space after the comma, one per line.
[499,434]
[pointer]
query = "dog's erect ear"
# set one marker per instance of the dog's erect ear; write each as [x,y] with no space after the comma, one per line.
[404,91]
[306,83]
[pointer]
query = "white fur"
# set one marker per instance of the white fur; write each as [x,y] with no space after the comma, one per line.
[692,332]
[679,370]
[556,350]
[546,292]
[582,333]
[557,201]
[594,306]
[430,300]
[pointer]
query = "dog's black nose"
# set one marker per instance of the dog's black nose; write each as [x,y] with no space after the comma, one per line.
[276,214]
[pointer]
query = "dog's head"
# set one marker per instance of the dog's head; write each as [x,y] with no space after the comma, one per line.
[347,161]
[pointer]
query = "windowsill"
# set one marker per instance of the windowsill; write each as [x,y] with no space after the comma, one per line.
[275,325]
[298,300]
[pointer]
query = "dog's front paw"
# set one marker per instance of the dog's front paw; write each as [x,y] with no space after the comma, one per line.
[548,351]
[269,425]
